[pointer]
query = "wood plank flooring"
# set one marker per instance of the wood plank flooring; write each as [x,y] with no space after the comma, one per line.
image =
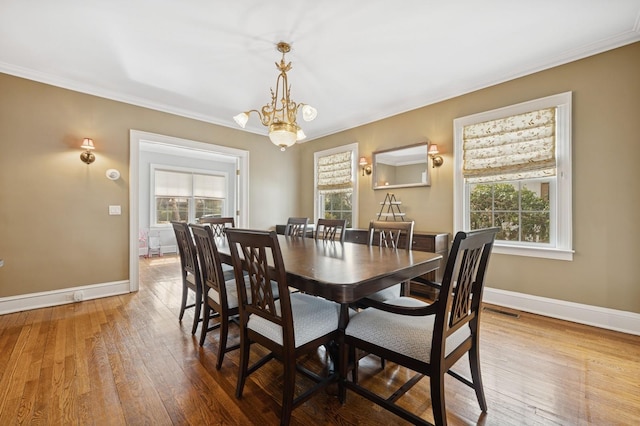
[126,360]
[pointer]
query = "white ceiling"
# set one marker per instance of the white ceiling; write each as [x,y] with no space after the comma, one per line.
[355,61]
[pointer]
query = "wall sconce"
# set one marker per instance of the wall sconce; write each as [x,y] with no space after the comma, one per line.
[433,152]
[366,167]
[87,156]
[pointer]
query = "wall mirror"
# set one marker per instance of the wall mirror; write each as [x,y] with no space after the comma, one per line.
[401,167]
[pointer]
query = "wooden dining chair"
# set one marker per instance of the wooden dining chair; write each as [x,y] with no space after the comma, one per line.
[396,235]
[220,295]
[294,325]
[219,227]
[331,230]
[190,271]
[297,227]
[428,339]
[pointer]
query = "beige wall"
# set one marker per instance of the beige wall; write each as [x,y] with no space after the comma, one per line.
[606,177]
[55,231]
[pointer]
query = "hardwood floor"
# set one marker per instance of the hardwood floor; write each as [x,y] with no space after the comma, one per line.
[127,360]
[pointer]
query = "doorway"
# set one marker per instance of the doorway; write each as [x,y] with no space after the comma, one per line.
[184,147]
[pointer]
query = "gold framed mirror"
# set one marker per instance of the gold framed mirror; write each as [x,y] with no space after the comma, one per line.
[402,167]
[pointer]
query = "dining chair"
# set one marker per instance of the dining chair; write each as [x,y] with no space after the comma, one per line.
[218,224]
[396,235]
[294,325]
[428,339]
[331,230]
[220,295]
[297,227]
[219,227]
[190,271]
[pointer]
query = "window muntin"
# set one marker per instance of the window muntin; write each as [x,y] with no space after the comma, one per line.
[533,209]
[521,209]
[338,205]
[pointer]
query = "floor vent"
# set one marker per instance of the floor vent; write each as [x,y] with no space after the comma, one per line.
[500,311]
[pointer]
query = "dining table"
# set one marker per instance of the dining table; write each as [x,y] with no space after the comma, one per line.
[344,272]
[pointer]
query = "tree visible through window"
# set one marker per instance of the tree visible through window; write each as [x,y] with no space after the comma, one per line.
[338,206]
[520,209]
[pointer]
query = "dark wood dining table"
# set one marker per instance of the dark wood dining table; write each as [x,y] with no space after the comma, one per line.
[345,272]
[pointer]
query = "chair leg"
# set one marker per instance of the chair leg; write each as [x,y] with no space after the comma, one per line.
[437,399]
[244,362]
[196,313]
[185,291]
[289,389]
[205,324]
[476,376]
[222,345]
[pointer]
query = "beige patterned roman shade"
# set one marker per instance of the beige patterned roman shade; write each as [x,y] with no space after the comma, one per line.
[335,173]
[521,146]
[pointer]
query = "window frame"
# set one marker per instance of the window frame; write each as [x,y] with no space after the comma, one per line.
[560,196]
[153,219]
[318,199]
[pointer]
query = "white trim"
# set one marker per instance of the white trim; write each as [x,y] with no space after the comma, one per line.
[135,138]
[25,302]
[610,319]
[353,147]
[542,252]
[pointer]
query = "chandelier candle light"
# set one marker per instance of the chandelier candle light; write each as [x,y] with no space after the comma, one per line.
[281,121]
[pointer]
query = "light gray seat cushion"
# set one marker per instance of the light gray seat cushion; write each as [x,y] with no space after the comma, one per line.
[388,293]
[313,317]
[407,335]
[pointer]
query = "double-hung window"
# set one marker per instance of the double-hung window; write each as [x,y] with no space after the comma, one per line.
[187,195]
[335,177]
[513,171]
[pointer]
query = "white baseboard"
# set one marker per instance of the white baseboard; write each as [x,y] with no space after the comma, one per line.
[611,319]
[25,302]
[143,251]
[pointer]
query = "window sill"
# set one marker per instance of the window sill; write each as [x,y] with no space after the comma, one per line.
[546,253]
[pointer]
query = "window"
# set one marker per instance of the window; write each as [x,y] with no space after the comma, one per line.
[187,195]
[335,177]
[513,171]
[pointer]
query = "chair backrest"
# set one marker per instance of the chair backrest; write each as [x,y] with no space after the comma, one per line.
[218,225]
[186,248]
[210,265]
[462,285]
[296,227]
[258,254]
[331,229]
[389,233]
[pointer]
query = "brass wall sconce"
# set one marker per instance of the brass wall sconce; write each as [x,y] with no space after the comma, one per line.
[366,167]
[87,156]
[433,152]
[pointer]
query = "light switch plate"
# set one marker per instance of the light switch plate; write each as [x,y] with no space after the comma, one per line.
[115,210]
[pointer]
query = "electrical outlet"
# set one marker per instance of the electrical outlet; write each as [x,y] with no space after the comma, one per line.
[115,210]
[78,296]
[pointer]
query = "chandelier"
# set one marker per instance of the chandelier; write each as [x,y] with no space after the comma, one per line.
[280,115]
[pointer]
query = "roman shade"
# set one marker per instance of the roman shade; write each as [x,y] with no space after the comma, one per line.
[335,173]
[512,148]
